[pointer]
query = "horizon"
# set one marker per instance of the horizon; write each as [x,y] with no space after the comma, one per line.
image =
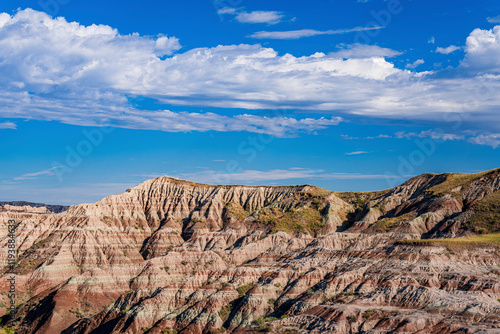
[244,185]
[344,95]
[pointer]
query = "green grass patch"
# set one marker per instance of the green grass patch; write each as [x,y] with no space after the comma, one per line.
[455,180]
[385,224]
[237,210]
[486,218]
[242,290]
[293,221]
[485,240]
[358,199]
[225,311]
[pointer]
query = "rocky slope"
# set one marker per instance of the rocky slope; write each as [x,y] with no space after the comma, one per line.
[175,256]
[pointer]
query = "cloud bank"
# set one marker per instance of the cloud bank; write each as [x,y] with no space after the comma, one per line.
[51,69]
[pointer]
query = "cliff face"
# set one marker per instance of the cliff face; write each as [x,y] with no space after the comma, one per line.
[171,254]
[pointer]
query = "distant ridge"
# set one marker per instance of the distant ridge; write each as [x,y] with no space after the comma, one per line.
[52,208]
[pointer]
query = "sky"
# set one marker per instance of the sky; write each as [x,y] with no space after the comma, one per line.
[348,95]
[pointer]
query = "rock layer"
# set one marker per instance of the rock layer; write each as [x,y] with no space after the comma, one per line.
[175,255]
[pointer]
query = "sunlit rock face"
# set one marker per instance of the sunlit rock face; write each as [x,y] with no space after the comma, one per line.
[176,255]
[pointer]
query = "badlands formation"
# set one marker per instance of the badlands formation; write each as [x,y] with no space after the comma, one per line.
[173,256]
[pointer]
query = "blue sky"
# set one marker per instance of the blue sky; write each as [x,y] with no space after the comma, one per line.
[96,97]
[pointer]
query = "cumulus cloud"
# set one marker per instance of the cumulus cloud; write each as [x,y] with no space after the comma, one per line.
[296,34]
[447,50]
[483,50]
[51,69]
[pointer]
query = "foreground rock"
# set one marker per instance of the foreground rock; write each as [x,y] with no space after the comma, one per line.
[175,255]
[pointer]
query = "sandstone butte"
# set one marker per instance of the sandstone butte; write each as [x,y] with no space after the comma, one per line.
[173,256]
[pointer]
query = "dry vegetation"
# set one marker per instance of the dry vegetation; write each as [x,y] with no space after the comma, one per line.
[385,224]
[455,180]
[237,210]
[293,221]
[485,240]
[358,199]
[486,218]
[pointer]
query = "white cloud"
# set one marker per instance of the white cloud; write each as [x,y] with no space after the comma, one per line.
[495,19]
[415,64]
[364,51]
[433,134]
[492,140]
[483,50]
[253,176]
[166,45]
[30,176]
[8,125]
[227,10]
[259,16]
[431,40]
[488,139]
[76,194]
[357,152]
[379,137]
[80,75]
[447,50]
[296,34]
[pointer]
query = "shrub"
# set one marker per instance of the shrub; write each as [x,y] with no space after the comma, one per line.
[242,290]
[225,311]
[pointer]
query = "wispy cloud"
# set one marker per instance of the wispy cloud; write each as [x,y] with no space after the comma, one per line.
[260,16]
[347,137]
[8,125]
[30,176]
[492,140]
[76,194]
[431,40]
[253,176]
[357,152]
[227,10]
[296,34]
[447,50]
[494,19]
[379,136]
[433,134]
[364,51]
[415,64]
[473,137]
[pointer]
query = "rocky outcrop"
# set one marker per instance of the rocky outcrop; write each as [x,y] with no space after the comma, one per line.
[175,255]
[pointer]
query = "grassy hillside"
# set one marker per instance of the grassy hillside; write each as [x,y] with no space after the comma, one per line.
[486,218]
